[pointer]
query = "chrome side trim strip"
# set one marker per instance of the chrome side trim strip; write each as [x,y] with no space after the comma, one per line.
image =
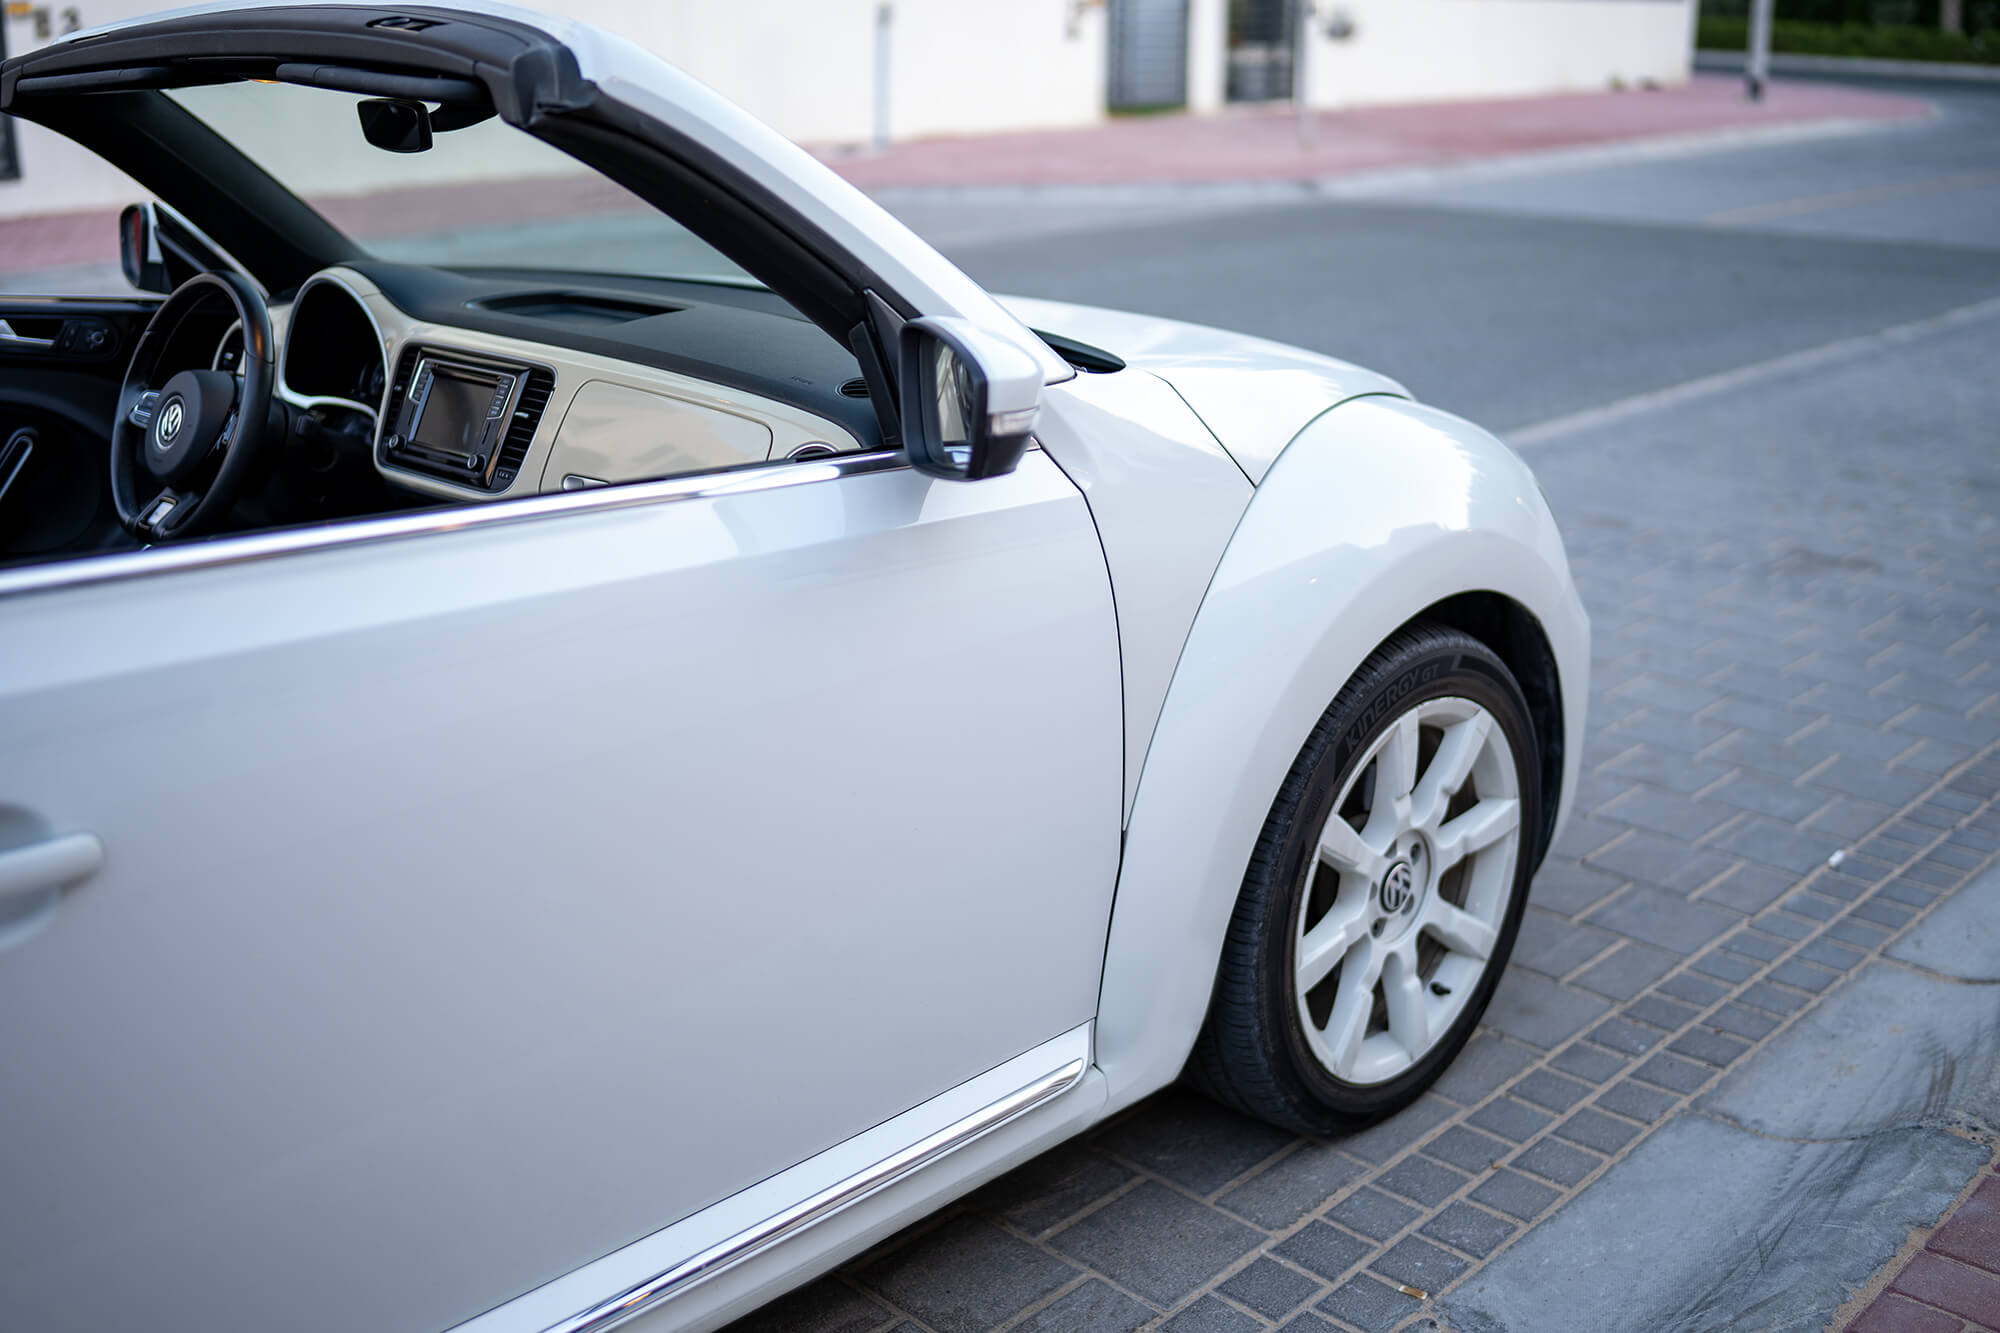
[223,551]
[726,1254]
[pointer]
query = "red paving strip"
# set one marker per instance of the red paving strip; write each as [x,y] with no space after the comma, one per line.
[1953,1283]
[1263,145]
[1238,147]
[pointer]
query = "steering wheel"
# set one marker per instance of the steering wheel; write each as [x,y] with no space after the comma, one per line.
[182,451]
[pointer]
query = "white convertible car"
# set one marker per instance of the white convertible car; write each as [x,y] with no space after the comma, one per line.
[587,727]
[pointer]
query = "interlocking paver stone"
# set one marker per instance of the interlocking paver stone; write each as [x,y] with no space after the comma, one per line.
[1749,888]
[1193,1142]
[1552,1159]
[1418,1263]
[1592,1064]
[1659,1011]
[1514,1194]
[1531,1008]
[1418,1178]
[1293,1186]
[1369,1305]
[1636,1100]
[824,1307]
[1053,1187]
[1270,1288]
[1209,1315]
[1094,1307]
[1972,1235]
[1327,1250]
[1964,1291]
[1889,1313]
[1806,976]
[1697,990]
[1551,1092]
[1594,1129]
[1510,1119]
[1627,972]
[1708,1045]
[1487,1061]
[967,1276]
[1671,1072]
[1154,1242]
[1379,1143]
[1467,1149]
[1372,1213]
[1473,1230]
[1663,919]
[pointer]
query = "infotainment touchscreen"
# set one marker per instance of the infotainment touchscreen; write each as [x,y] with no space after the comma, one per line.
[455,412]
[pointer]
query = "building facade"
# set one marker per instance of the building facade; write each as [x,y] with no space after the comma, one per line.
[834,73]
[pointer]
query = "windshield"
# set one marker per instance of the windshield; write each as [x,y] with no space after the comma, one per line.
[484,196]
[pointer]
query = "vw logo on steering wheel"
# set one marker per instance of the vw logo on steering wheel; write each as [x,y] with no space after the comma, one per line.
[171,417]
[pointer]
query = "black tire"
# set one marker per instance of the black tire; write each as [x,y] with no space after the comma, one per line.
[1252,1053]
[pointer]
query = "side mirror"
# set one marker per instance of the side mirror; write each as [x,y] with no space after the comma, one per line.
[969,400]
[159,249]
[139,252]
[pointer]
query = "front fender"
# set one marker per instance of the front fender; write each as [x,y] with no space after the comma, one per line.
[1376,511]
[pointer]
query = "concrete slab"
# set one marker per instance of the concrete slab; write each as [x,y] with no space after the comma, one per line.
[1962,938]
[1892,1049]
[1712,1226]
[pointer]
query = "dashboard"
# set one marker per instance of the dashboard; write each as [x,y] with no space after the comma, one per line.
[454,408]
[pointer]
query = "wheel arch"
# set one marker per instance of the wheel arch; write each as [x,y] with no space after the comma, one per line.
[1380,512]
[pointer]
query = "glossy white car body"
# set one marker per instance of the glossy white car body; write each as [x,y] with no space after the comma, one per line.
[627,904]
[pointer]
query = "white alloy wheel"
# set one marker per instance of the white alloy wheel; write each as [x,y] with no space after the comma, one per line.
[1415,870]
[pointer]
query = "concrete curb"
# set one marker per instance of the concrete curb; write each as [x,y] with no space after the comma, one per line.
[1937,71]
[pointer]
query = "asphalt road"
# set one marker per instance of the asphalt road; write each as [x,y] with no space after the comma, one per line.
[1725,1081]
[1526,296]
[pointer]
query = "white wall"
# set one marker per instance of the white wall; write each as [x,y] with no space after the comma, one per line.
[1439,50]
[975,66]
[807,67]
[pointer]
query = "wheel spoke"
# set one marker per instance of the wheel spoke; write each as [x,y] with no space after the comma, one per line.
[1457,929]
[1354,1000]
[1478,828]
[1409,1006]
[1344,925]
[1346,851]
[1449,768]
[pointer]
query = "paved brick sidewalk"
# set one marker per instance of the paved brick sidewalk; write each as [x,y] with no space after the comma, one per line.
[1795,656]
[1952,1284]
[1262,145]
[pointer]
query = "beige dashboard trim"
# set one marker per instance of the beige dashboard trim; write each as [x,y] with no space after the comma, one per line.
[790,426]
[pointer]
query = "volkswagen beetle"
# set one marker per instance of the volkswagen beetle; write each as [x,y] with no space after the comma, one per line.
[588,727]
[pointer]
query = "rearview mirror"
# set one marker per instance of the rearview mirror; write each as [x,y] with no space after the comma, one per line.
[969,399]
[396,124]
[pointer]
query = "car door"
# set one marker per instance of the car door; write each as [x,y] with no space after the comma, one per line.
[484,895]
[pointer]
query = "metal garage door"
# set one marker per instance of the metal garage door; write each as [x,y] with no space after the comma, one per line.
[1149,41]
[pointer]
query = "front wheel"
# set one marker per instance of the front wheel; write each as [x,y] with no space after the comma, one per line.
[1385,892]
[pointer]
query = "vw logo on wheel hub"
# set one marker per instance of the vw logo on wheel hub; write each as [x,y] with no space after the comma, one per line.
[1399,887]
[171,417]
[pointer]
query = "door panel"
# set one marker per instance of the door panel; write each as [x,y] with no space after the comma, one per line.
[61,362]
[476,903]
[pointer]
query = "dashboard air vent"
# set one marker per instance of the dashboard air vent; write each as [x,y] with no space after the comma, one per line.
[528,411]
[406,369]
[854,388]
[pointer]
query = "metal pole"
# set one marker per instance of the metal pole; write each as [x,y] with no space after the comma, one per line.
[885,18]
[1308,123]
[1759,69]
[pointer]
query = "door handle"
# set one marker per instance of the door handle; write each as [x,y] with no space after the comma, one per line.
[53,863]
[32,878]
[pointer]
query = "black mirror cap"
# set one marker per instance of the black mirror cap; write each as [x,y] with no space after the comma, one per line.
[139,252]
[926,431]
[396,124]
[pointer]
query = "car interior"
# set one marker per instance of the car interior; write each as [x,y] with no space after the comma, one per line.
[518,322]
